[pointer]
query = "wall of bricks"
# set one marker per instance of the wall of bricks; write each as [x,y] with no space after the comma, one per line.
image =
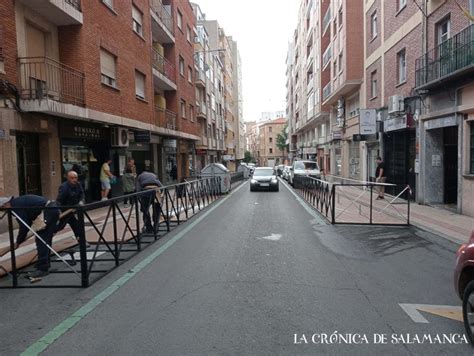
[372,44]
[354,53]
[413,50]
[8,40]
[185,49]
[374,103]
[395,18]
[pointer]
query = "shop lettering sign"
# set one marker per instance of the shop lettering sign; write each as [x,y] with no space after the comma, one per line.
[86,132]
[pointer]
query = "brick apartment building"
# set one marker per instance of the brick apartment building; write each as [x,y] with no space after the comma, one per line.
[416,88]
[268,153]
[85,80]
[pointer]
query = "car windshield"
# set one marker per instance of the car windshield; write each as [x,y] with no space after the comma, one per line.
[263,172]
[306,165]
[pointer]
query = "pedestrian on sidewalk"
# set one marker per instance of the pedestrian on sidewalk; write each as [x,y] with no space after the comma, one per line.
[70,193]
[148,181]
[128,183]
[380,177]
[105,177]
[30,208]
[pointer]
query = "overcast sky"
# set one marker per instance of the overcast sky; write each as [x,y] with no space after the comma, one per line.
[262,29]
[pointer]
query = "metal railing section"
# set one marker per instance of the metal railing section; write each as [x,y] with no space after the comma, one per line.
[45,78]
[349,201]
[163,14]
[445,59]
[115,233]
[165,118]
[162,65]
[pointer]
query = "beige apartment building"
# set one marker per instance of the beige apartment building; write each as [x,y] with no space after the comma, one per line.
[268,153]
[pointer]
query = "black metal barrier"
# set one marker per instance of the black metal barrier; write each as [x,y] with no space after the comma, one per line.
[109,234]
[347,201]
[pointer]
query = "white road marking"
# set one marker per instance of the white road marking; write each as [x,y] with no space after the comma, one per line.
[447,311]
[272,237]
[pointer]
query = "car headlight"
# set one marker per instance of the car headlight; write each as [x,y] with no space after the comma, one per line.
[253,181]
[274,180]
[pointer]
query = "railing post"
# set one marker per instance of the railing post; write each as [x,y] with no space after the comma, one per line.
[371,203]
[333,208]
[12,249]
[82,248]
[114,220]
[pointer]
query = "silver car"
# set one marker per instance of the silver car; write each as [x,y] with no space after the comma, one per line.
[264,178]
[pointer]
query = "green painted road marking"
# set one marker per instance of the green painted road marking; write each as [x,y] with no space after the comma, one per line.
[47,340]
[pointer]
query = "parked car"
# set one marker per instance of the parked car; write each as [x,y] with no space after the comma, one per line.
[286,173]
[279,169]
[464,284]
[252,168]
[304,168]
[264,178]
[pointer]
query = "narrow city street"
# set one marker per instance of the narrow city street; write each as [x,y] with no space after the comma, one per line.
[262,280]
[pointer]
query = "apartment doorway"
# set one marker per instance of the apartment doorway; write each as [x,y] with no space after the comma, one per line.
[450,139]
[29,170]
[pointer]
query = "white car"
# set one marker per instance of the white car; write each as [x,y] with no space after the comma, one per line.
[304,168]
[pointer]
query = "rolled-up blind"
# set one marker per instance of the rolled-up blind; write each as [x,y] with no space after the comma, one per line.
[107,64]
[139,84]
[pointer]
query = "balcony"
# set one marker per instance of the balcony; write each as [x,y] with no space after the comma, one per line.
[200,78]
[44,81]
[446,62]
[165,118]
[59,12]
[327,91]
[162,24]
[201,111]
[163,71]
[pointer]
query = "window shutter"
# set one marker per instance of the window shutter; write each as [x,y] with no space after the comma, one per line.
[107,64]
[137,15]
[139,84]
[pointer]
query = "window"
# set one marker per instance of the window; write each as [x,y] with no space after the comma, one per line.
[472,149]
[180,20]
[183,109]
[340,63]
[270,129]
[402,67]
[271,139]
[137,18]
[188,34]
[191,112]
[373,84]
[109,3]
[107,68]
[181,66]
[443,29]
[190,74]
[270,150]
[340,17]
[139,85]
[401,4]
[373,25]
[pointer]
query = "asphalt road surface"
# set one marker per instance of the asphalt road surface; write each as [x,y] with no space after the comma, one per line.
[257,275]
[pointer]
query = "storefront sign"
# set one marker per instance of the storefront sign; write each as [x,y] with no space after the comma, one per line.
[396,123]
[142,136]
[368,121]
[170,143]
[68,130]
[336,135]
[200,152]
[228,157]
[441,122]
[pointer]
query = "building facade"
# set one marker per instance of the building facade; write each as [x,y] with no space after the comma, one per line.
[74,92]
[269,154]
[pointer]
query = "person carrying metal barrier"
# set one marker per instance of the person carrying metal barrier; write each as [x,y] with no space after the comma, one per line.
[148,181]
[31,215]
[70,193]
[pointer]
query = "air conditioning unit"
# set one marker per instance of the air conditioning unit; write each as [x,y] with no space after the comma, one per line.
[119,137]
[396,104]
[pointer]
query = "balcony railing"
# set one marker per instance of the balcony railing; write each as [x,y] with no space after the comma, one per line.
[449,58]
[45,78]
[163,14]
[162,65]
[165,118]
[327,90]
[75,4]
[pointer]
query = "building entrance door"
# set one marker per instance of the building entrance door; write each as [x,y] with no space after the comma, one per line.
[450,137]
[29,171]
